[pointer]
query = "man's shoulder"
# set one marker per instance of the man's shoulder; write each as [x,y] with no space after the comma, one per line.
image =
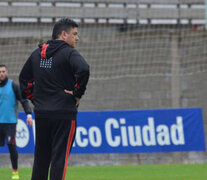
[68,51]
[75,52]
[37,50]
[35,54]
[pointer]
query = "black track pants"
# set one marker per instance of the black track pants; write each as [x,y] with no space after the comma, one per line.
[54,140]
[13,155]
[8,132]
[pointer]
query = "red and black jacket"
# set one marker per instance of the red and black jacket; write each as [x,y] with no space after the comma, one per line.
[51,69]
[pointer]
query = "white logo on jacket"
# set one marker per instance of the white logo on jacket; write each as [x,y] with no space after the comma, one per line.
[46,63]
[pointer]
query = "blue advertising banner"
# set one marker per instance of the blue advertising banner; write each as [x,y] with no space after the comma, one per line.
[128,131]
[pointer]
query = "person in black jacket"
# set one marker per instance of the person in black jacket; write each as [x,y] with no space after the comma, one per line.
[9,97]
[54,78]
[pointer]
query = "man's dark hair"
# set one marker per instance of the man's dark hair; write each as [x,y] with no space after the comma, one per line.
[64,24]
[3,65]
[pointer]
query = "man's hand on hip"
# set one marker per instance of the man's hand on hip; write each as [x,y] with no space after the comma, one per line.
[71,93]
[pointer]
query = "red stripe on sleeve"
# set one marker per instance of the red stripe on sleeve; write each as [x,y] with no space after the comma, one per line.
[29,85]
[28,92]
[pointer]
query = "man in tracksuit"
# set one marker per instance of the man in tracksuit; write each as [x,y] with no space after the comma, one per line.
[55,78]
[9,97]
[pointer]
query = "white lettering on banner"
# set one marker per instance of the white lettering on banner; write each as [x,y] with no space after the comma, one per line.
[163,137]
[135,136]
[82,142]
[177,133]
[112,123]
[123,132]
[119,133]
[93,136]
[149,135]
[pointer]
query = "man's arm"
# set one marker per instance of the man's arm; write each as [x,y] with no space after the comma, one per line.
[26,85]
[81,73]
[24,102]
[26,81]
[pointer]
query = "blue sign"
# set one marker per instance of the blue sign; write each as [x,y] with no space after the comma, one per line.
[129,131]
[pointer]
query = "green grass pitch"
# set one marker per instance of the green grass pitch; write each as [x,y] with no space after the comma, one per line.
[142,172]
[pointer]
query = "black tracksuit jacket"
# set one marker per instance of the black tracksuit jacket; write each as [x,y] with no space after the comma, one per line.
[52,68]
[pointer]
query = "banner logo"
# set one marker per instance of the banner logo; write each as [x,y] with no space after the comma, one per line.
[22,134]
